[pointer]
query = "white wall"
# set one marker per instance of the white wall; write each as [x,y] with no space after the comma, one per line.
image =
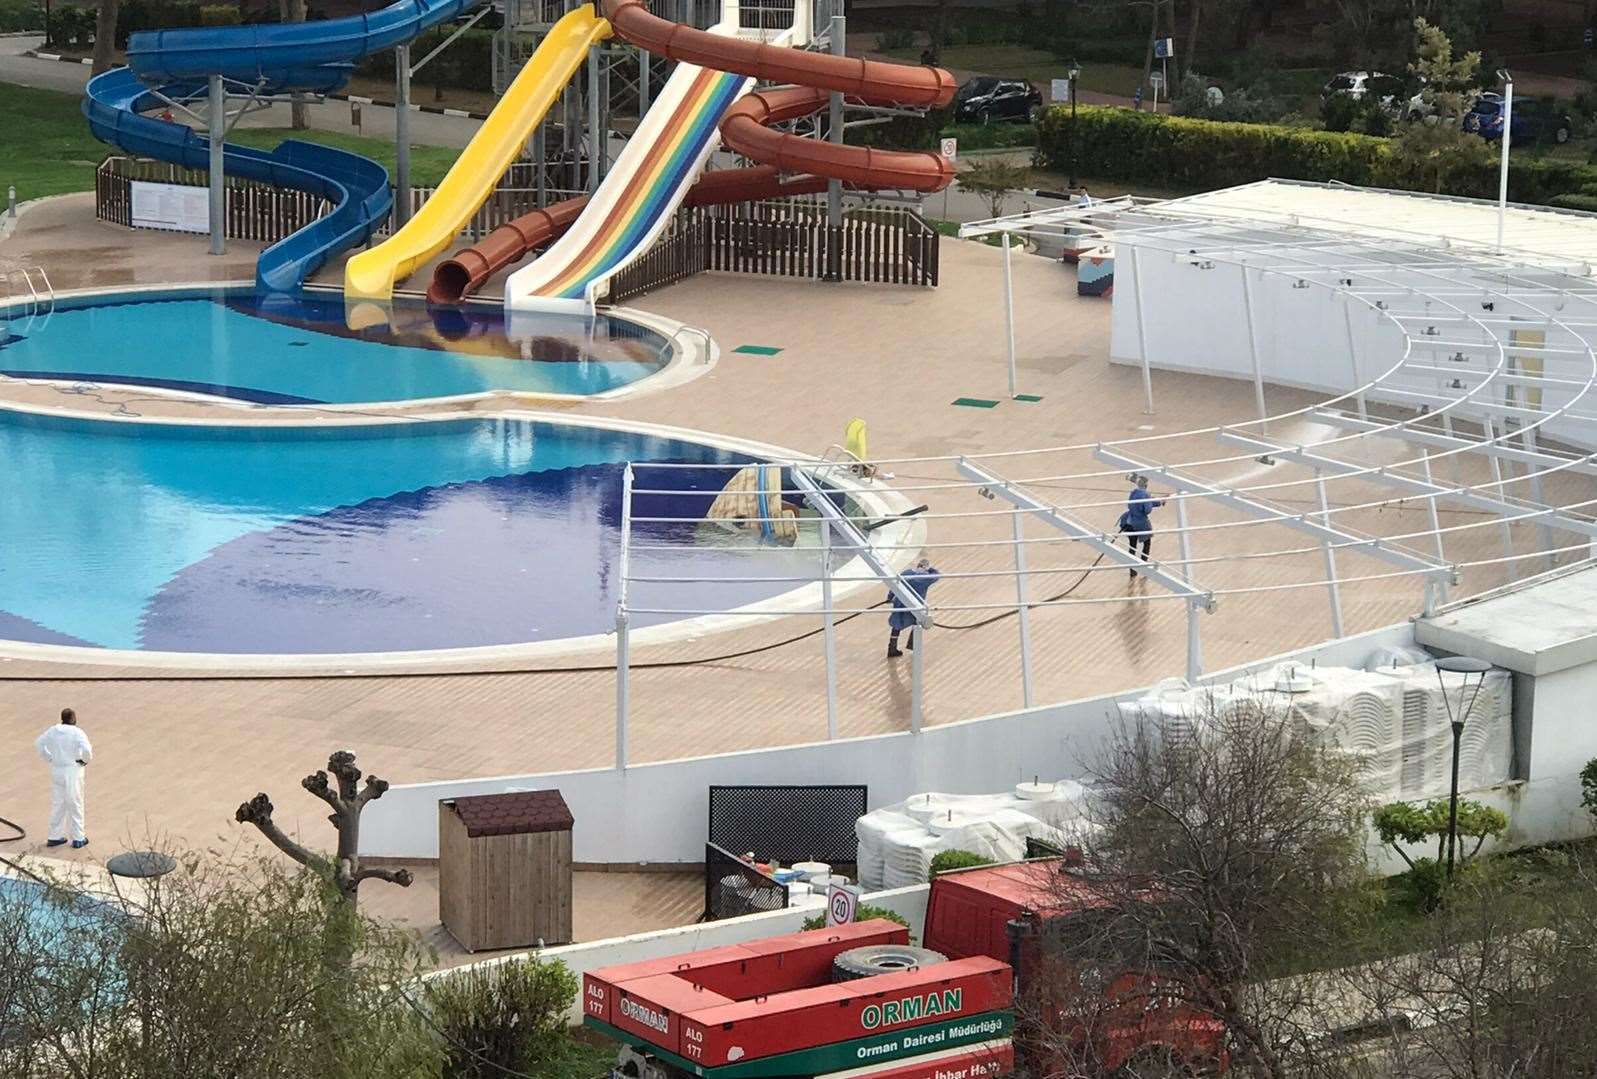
[1563,738]
[582,958]
[656,812]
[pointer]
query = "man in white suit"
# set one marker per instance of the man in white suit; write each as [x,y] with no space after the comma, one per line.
[65,748]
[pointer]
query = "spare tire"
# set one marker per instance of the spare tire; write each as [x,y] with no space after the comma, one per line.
[874,959]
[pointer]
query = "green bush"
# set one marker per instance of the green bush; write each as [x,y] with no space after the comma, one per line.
[864,913]
[900,38]
[136,15]
[1339,112]
[507,1018]
[1588,774]
[220,15]
[949,860]
[1422,887]
[1578,201]
[17,15]
[1190,154]
[465,65]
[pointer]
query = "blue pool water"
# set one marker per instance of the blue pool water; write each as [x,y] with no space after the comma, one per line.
[298,350]
[374,538]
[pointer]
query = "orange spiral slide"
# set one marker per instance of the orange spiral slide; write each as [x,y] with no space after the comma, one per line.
[806,164]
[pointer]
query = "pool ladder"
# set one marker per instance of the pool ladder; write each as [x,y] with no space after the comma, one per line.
[26,292]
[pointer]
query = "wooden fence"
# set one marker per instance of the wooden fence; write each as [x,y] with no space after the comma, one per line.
[886,245]
[253,211]
[265,213]
[680,253]
[784,238]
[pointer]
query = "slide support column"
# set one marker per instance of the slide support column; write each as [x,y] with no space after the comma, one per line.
[401,135]
[218,192]
[834,188]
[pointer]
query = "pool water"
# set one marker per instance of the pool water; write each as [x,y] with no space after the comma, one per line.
[355,539]
[298,350]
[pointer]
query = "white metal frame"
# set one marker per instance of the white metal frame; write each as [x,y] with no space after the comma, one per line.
[1454,391]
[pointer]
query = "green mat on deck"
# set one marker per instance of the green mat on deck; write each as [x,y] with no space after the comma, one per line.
[757,350]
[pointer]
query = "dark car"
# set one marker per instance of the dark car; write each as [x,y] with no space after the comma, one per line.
[985,99]
[1533,121]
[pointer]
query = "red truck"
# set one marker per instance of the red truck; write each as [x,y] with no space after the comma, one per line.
[857,1001]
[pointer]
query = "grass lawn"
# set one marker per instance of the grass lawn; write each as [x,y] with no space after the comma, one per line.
[49,150]
[1035,65]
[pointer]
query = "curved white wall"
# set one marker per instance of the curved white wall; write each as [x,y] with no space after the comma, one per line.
[657,812]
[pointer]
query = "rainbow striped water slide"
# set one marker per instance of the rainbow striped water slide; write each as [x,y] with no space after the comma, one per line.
[635,201]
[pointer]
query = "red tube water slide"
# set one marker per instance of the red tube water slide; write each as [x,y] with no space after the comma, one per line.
[746,129]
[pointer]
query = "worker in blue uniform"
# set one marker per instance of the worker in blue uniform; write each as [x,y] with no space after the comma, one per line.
[920,580]
[1135,522]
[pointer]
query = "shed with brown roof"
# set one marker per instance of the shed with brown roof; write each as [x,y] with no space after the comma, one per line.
[504,869]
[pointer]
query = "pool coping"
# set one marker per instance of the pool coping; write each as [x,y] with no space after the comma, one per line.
[693,352]
[897,545]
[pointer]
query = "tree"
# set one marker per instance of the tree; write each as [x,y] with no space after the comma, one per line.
[1501,983]
[995,180]
[344,870]
[219,968]
[294,11]
[1217,857]
[1435,156]
[1404,822]
[1449,83]
[1431,152]
[105,36]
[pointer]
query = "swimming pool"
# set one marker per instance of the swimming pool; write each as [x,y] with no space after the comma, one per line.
[298,350]
[353,538]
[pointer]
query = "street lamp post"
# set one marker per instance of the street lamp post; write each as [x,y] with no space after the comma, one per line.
[1075,73]
[1464,666]
[1502,168]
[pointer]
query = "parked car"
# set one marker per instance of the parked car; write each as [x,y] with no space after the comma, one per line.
[1533,121]
[1362,85]
[986,98]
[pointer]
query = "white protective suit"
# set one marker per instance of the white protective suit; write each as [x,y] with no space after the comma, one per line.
[62,747]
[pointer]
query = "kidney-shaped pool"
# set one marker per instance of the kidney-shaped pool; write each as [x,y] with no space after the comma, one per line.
[351,538]
[299,350]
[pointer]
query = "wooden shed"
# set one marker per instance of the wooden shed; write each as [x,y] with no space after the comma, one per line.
[504,869]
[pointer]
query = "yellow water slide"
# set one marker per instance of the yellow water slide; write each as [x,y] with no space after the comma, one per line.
[370,275]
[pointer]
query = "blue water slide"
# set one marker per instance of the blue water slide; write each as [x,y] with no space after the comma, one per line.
[314,57]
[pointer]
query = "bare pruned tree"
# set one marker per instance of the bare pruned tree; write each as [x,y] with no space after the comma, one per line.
[1217,859]
[347,798]
[1500,983]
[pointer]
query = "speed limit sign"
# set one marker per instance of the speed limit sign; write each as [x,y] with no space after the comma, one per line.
[842,900]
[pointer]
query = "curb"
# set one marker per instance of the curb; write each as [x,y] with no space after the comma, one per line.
[37,55]
[357,99]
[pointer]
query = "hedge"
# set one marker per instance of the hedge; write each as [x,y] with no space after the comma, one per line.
[468,64]
[1183,153]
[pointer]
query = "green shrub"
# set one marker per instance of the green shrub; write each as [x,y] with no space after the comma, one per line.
[18,15]
[1588,774]
[1422,887]
[1184,153]
[864,913]
[900,38]
[1578,201]
[1339,112]
[990,136]
[466,65]
[220,15]
[507,1018]
[949,860]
